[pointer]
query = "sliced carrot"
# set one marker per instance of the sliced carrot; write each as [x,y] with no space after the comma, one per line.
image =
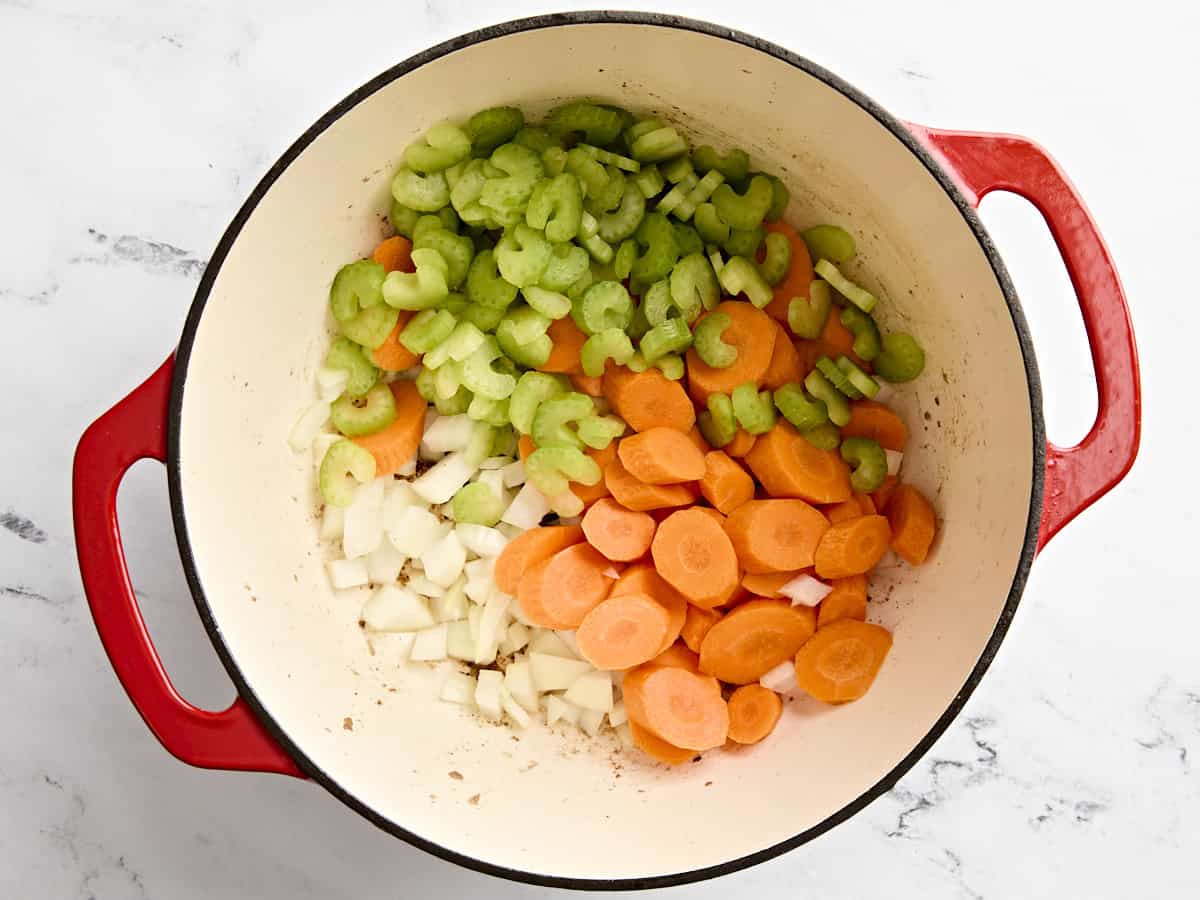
[622,632]
[592,385]
[696,626]
[397,444]
[799,275]
[882,495]
[525,446]
[840,661]
[754,638]
[648,399]
[530,548]
[567,341]
[754,712]
[560,591]
[678,655]
[752,333]
[656,748]
[866,504]
[694,555]
[739,596]
[643,579]
[873,420]
[620,534]
[698,439]
[913,523]
[840,512]
[810,351]
[848,600]
[680,707]
[775,535]
[395,254]
[852,547]
[590,493]
[661,456]
[767,584]
[726,485]
[641,497]
[391,355]
[785,361]
[743,442]
[838,337]
[787,465]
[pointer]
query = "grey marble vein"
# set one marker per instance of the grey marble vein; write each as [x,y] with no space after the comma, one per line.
[156,256]
[22,527]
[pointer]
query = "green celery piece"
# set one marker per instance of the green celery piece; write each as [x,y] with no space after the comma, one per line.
[344,466]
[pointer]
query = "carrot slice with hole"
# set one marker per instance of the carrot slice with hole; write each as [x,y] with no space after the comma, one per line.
[785,362]
[726,485]
[852,547]
[680,707]
[767,584]
[743,442]
[391,355]
[530,548]
[754,712]
[840,662]
[848,600]
[775,535]
[643,579]
[799,275]
[622,632]
[694,555]
[395,254]
[696,625]
[567,340]
[641,497]
[661,456]
[592,385]
[560,591]
[620,534]
[648,399]
[656,748]
[787,465]
[882,495]
[869,419]
[754,638]
[396,444]
[752,333]
[913,524]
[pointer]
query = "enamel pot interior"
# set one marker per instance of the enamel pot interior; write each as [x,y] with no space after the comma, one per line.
[567,809]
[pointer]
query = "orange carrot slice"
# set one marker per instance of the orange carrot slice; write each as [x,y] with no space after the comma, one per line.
[912,522]
[787,465]
[848,600]
[754,638]
[694,555]
[648,399]
[726,485]
[643,579]
[391,355]
[852,547]
[882,495]
[656,748]
[620,534]
[799,275]
[395,445]
[592,385]
[743,442]
[767,584]
[698,439]
[775,535]
[840,512]
[622,632]
[873,420]
[840,662]
[754,712]
[395,254]
[560,591]
[785,361]
[567,340]
[530,548]
[696,625]
[682,708]
[752,333]
[641,497]
[590,493]
[661,456]
[679,656]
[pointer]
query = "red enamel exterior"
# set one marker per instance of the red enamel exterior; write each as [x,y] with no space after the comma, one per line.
[136,428]
[1076,477]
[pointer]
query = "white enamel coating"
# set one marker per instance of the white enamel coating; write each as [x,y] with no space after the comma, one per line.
[544,803]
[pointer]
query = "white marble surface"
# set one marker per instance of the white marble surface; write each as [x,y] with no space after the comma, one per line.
[131,132]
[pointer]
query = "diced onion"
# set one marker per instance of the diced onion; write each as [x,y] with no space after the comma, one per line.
[480,568]
[546,641]
[617,715]
[331,382]
[451,605]
[362,528]
[393,608]
[527,509]
[512,708]
[568,639]
[308,426]
[559,710]
[590,721]
[781,679]
[480,590]
[444,561]
[447,434]
[430,644]
[348,573]
[515,638]
[332,522]
[514,474]
[894,459]
[492,625]
[481,540]
[519,683]
[414,530]
[555,673]
[487,693]
[804,590]
[592,690]
[495,462]
[384,563]
[566,504]
[444,478]
[459,644]
[321,444]
[458,687]
[408,469]
[425,587]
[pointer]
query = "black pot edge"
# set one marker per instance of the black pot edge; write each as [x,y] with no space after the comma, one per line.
[183,355]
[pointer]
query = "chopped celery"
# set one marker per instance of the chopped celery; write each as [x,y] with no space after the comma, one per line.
[743,242]
[456,250]
[829,242]
[481,378]
[611,159]
[671,336]
[600,431]
[798,408]
[551,421]
[707,339]
[454,405]
[753,409]
[678,170]
[837,378]
[356,286]
[536,138]
[531,390]
[448,380]
[869,463]
[837,407]
[865,331]
[523,323]
[531,354]
[489,128]
[643,126]
[344,466]
[504,442]
[747,210]
[551,469]
[464,195]
[478,503]
[862,382]
[591,173]
[780,197]
[715,260]
[689,239]
[489,411]
[556,207]
[522,255]
[371,327]
[422,289]
[709,224]
[637,362]
[739,276]
[778,260]
[426,330]
[658,305]
[550,304]
[567,264]
[480,445]
[522,168]
[614,227]
[699,194]
[825,437]
[676,195]
[900,359]
[485,318]
[356,416]
[610,343]
[599,249]
[608,197]
[403,219]
[462,342]
[717,423]
[588,226]
[486,286]
[650,181]
[624,259]
[864,300]
[605,305]
[554,159]
[733,165]
[657,235]
[442,146]
[658,145]
[424,193]
[694,285]
[806,316]
[345,354]
[671,366]
[599,125]
[426,383]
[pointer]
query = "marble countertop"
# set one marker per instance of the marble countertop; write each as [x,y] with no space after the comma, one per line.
[132,131]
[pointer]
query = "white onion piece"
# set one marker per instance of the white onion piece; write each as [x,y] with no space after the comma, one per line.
[617,715]
[430,644]
[555,673]
[487,693]
[321,444]
[373,492]
[546,641]
[452,605]
[444,478]
[481,540]
[473,616]
[513,474]
[362,530]
[348,573]
[414,530]
[479,569]
[493,479]
[443,562]
[331,382]
[804,590]
[568,638]
[515,638]
[781,679]
[447,434]
[559,710]
[332,522]
[625,733]
[519,683]
[397,497]
[408,469]
[459,644]
[512,532]
[590,721]
[480,590]
[308,426]
[894,459]
[885,393]
[517,716]
[384,563]
[527,509]
[495,462]
[492,625]
[459,688]
[425,587]
[514,608]
[592,690]
[393,608]
[396,647]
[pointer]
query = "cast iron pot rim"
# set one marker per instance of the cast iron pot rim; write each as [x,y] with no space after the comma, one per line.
[555,20]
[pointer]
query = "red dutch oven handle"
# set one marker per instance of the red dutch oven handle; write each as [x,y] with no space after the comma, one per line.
[1076,477]
[134,429]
